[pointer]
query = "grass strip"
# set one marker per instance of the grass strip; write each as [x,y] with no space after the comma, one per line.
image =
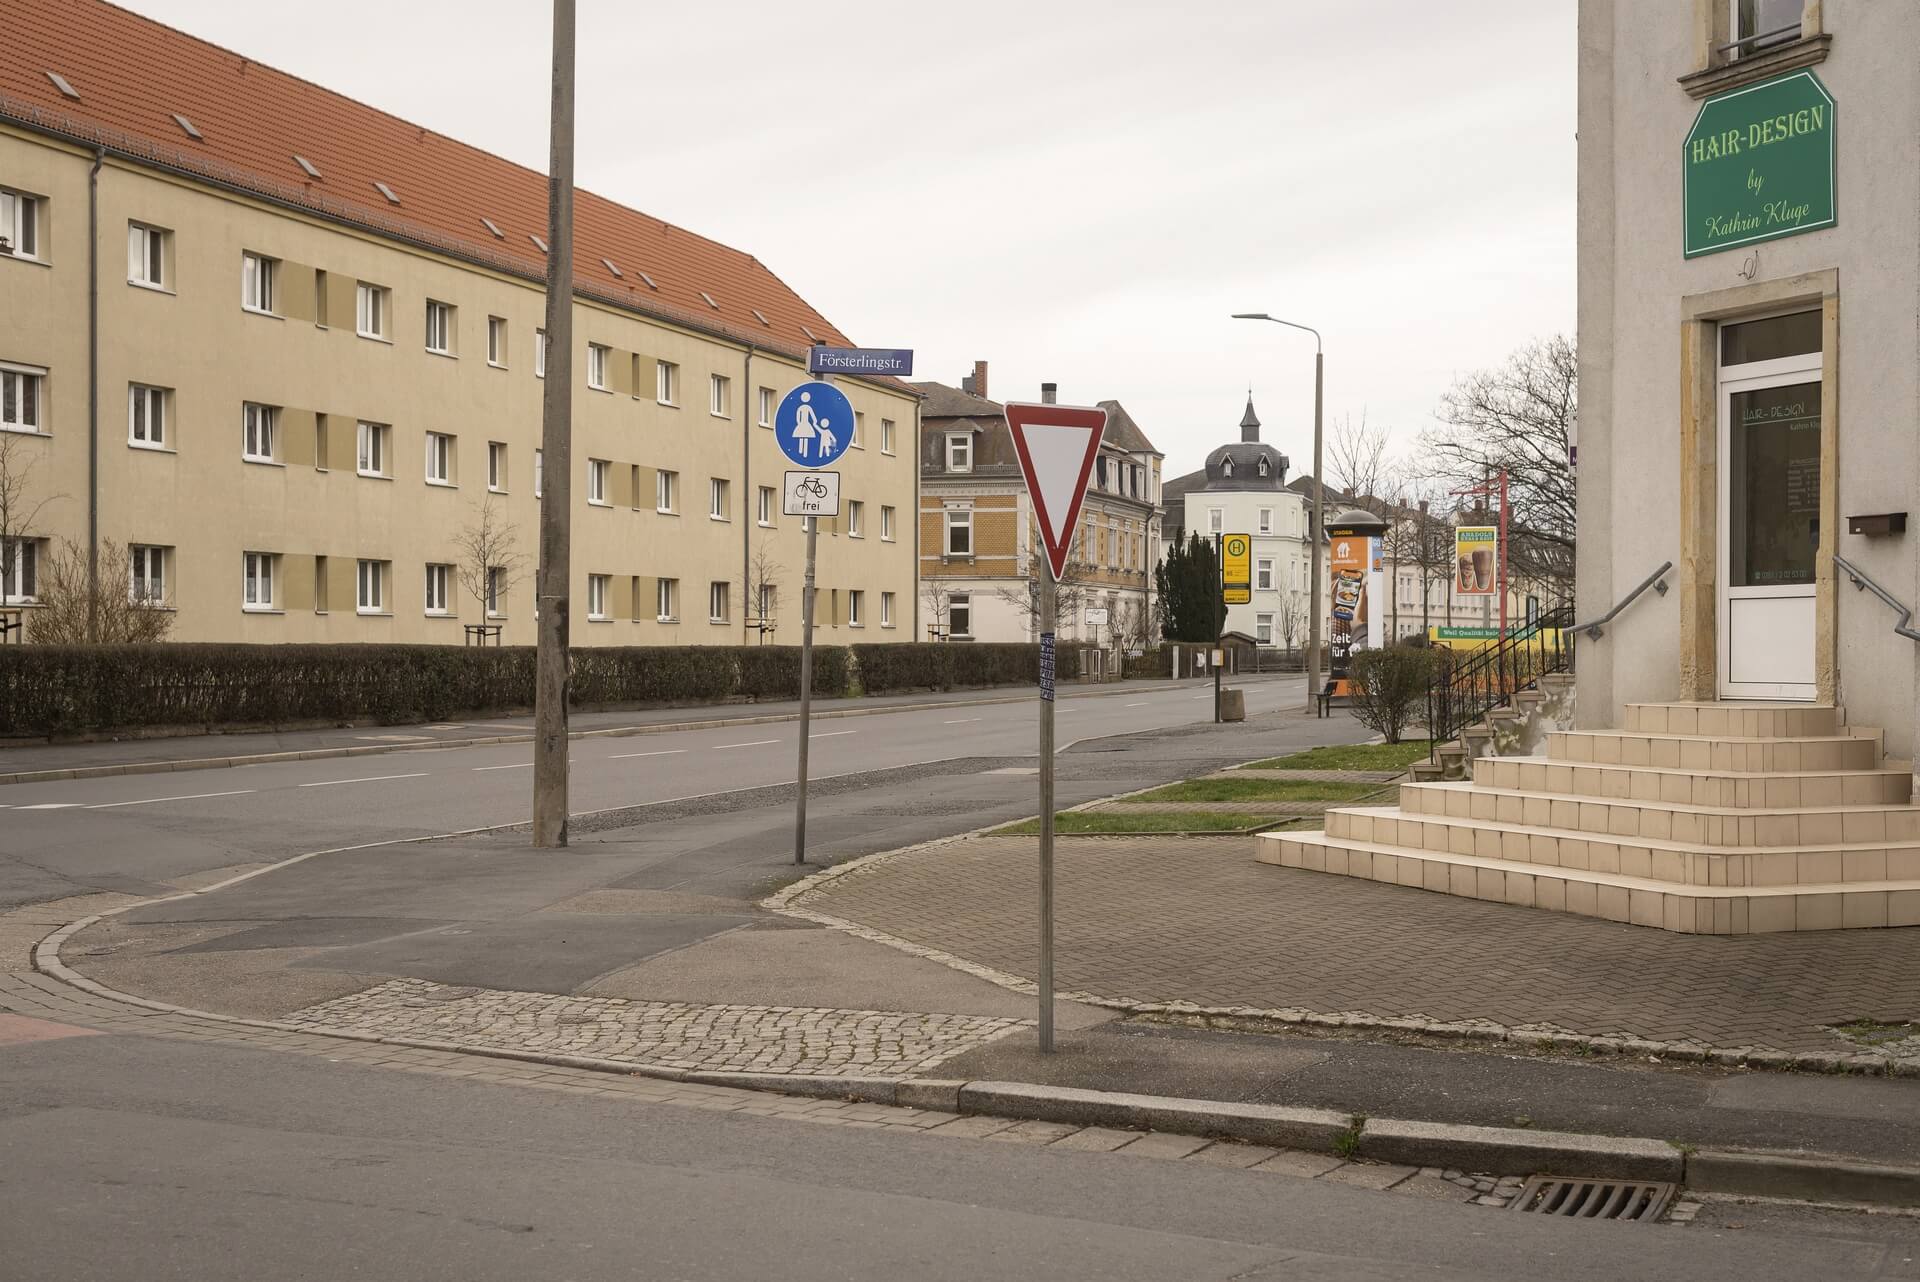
[1258,790]
[1353,756]
[1089,822]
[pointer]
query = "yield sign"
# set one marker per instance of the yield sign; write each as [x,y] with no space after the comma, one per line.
[1057,445]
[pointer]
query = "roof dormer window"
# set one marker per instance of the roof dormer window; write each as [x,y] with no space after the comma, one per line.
[1263,466]
[1226,465]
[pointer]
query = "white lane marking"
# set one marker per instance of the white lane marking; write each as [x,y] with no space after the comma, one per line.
[51,805]
[961,722]
[757,743]
[518,765]
[148,801]
[831,734]
[328,783]
[1136,705]
[663,752]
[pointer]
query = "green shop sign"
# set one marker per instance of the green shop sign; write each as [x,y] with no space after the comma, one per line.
[1759,165]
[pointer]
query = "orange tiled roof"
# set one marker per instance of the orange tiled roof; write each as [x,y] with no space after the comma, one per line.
[133,74]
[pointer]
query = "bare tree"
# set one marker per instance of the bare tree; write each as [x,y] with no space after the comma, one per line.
[490,563]
[1360,463]
[1290,620]
[73,603]
[762,588]
[19,510]
[1521,417]
[1073,590]
[1133,626]
[938,598]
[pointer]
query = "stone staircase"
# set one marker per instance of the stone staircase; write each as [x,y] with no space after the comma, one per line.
[1708,818]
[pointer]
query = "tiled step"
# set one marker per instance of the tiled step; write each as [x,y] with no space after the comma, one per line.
[1773,827]
[1722,910]
[1742,720]
[1777,790]
[1714,752]
[1670,862]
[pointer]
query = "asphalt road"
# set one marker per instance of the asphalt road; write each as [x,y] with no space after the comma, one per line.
[124,1157]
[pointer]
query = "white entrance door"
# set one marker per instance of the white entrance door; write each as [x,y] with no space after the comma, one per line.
[1769,526]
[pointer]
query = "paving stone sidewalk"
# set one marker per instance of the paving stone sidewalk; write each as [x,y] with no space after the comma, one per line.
[710,1038]
[1155,920]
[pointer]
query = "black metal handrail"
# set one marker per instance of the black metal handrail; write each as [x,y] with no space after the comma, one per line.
[1861,579]
[1469,687]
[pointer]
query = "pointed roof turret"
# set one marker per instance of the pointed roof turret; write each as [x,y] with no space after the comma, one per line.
[1249,422]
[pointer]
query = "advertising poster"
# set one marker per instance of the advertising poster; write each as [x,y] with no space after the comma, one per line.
[1476,552]
[1348,566]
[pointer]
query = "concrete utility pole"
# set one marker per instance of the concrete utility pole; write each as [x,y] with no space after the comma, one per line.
[551,683]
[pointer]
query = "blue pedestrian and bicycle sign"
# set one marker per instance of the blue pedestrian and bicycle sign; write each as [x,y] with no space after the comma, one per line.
[814,425]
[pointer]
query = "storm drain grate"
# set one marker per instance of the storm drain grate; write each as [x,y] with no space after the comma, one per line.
[1594,1199]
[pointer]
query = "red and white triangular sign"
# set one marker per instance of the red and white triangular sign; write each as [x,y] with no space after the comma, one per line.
[1057,445]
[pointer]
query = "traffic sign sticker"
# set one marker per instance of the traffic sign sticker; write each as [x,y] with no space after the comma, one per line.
[811,494]
[814,425]
[1057,445]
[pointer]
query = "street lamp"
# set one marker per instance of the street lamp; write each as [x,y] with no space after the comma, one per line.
[1318,618]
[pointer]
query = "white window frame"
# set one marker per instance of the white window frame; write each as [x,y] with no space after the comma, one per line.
[718,497]
[1263,629]
[666,600]
[960,603]
[259,284]
[539,471]
[766,407]
[20,209]
[370,587]
[440,452]
[439,327]
[16,382]
[769,600]
[598,469]
[1216,520]
[1263,573]
[147,256]
[859,441]
[496,467]
[666,382]
[257,572]
[856,509]
[19,564]
[147,416]
[886,609]
[1266,520]
[959,451]
[497,341]
[439,585]
[763,507]
[957,519]
[856,606]
[597,366]
[719,603]
[886,439]
[147,575]
[666,491]
[370,449]
[539,353]
[259,432]
[370,306]
[886,523]
[719,396]
[598,590]
[496,588]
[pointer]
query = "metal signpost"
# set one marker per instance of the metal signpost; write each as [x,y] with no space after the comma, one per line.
[814,427]
[1056,445]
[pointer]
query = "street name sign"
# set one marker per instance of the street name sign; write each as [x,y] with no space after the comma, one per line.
[895,361]
[1758,165]
[1236,569]
[1056,445]
[810,494]
[814,425]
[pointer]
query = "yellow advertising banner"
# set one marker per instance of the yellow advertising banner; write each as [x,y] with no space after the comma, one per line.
[1476,551]
[1236,568]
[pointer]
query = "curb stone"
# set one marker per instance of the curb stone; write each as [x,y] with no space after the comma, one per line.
[1506,1151]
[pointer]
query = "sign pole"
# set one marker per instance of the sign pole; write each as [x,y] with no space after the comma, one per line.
[806,694]
[1503,552]
[1047,629]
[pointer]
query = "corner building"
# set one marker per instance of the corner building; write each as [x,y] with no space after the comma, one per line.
[319,364]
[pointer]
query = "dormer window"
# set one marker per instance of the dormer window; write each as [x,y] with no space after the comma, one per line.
[1226,465]
[1263,466]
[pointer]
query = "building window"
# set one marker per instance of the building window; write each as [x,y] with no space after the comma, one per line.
[768,595]
[597,598]
[716,602]
[259,434]
[496,591]
[1226,466]
[667,383]
[497,466]
[539,471]
[856,608]
[539,353]
[259,281]
[959,533]
[19,566]
[596,367]
[497,341]
[1764,24]
[439,328]
[372,593]
[1263,574]
[859,439]
[146,256]
[667,600]
[439,589]
[1216,520]
[855,511]
[886,436]
[1262,465]
[256,580]
[373,449]
[19,224]
[959,452]
[960,614]
[1266,520]
[22,395]
[886,609]
[716,499]
[886,523]
[597,482]
[763,505]
[147,568]
[439,458]
[666,491]
[147,416]
[1263,628]
[719,396]
[370,317]
[766,407]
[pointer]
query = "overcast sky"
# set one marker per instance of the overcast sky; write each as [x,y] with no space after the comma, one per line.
[1074,192]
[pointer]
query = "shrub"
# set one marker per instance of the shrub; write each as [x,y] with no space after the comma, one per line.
[1390,686]
[938,665]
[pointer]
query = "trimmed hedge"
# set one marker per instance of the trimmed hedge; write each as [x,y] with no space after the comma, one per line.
[66,690]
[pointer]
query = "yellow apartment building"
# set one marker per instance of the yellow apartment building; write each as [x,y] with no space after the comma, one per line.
[284,352]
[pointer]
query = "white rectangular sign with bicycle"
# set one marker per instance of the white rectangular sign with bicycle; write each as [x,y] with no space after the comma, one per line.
[811,494]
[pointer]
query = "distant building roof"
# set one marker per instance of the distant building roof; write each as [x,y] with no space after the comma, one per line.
[943,401]
[1123,433]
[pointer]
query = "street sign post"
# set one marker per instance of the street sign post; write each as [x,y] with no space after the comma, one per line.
[892,361]
[1056,445]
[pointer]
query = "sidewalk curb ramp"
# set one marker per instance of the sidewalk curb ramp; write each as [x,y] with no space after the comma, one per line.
[1803,1176]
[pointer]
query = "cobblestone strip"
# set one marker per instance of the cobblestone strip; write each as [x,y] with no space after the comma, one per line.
[799,1040]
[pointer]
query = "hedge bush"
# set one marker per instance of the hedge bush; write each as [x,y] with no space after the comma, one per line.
[932,665]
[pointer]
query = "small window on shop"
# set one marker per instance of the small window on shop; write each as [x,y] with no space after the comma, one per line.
[1759,25]
[1771,338]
